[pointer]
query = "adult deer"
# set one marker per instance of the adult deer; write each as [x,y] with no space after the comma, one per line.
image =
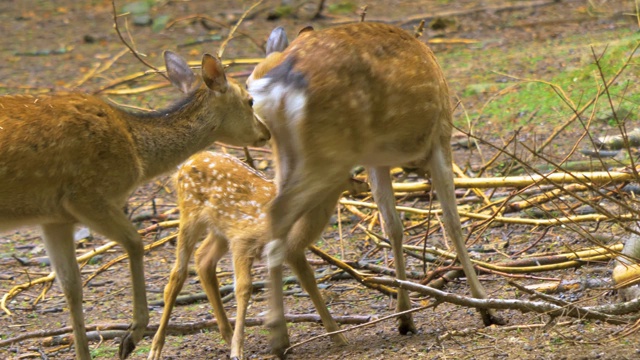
[367,94]
[73,158]
[224,199]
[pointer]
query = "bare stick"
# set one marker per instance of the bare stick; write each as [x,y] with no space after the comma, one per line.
[181,328]
[133,51]
[363,13]
[233,29]
[319,9]
[521,305]
[385,318]
[420,29]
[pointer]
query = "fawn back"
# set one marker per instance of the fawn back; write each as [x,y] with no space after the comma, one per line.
[74,158]
[359,94]
[225,199]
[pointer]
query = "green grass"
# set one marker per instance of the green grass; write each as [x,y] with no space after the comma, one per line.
[105,352]
[487,77]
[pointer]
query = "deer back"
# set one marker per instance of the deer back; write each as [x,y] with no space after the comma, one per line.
[364,93]
[73,147]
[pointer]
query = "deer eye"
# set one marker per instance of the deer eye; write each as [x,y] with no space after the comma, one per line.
[251,102]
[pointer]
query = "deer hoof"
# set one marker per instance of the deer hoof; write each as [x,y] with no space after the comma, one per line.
[490,317]
[126,346]
[279,347]
[406,325]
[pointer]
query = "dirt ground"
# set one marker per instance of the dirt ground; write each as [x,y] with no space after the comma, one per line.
[58,45]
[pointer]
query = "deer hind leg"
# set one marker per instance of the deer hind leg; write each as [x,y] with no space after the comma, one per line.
[188,236]
[442,175]
[213,248]
[243,288]
[300,189]
[58,240]
[382,190]
[110,221]
[307,230]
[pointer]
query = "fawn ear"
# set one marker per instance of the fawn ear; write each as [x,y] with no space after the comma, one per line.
[213,74]
[277,41]
[180,74]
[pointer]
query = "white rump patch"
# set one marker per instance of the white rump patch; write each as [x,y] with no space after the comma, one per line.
[268,97]
[294,105]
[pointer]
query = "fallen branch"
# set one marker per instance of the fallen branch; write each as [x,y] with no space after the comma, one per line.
[508,220]
[361,278]
[370,323]
[13,292]
[596,178]
[194,64]
[594,313]
[112,262]
[173,328]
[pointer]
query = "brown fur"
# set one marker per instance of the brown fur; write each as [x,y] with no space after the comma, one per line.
[225,199]
[368,94]
[73,158]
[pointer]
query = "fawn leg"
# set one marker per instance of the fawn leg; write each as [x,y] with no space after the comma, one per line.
[243,288]
[188,235]
[207,256]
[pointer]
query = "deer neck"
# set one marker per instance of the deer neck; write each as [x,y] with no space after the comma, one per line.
[165,138]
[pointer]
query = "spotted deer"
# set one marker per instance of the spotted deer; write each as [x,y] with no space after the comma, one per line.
[74,158]
[224,199]
[368,94]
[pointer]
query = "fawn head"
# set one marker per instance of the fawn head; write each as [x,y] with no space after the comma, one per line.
[217,94]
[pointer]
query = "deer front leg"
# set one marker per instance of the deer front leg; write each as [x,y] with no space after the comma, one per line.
[109,220]
[382,190]
[58,240]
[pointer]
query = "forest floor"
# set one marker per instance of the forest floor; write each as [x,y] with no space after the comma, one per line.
[489,50]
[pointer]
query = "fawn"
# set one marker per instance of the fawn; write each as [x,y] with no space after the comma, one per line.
[74,158]
[368,94]
[221,197]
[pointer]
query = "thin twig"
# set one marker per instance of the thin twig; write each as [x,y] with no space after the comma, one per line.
[132,50]
[235,27]
[370,323]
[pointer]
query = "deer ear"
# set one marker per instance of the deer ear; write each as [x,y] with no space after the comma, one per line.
[305,29]
[213,74]
[179,72]
[277,41]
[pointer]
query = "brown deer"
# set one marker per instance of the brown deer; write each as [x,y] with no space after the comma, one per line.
[368,94]
[224,199]
[74,158]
